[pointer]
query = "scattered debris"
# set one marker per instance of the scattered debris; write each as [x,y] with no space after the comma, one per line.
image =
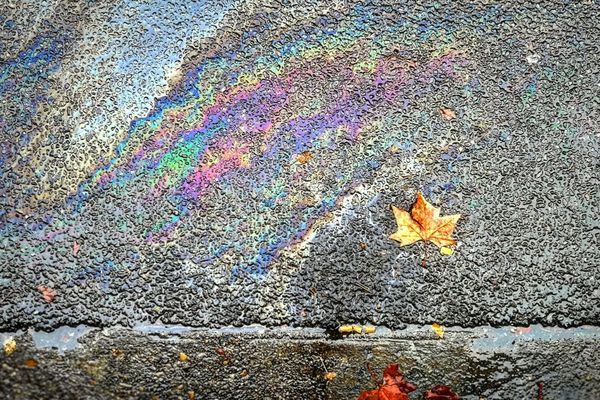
[363,287]
[304,157]
[191,395]
[354,328]
[393,149]
[10,345]
[446,251]
[183,357]
[47,292]
[329,376]
[447,113]
[118,354]
[222,353]
[31,363]
[438,329]
[369,329]
[350,329]
[76,248]
[540,391]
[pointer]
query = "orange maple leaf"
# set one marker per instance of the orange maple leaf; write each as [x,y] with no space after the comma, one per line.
[304,157]
[424,223]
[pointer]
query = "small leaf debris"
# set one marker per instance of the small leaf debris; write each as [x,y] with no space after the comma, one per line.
[446,251]
[10,345]
[329,376]
[118,354]
[370,329]
[304,157]
[350,329]
[447,113]
[31,363]
[438,329]
[47,292]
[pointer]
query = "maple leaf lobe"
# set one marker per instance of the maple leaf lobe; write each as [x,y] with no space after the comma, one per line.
[369,395]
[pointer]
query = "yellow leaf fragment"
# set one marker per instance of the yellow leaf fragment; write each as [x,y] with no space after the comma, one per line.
[9,346]
[423,223]
[446,251]
[370,329]
[183,357]
[438,329]
[350,329]
[330,376]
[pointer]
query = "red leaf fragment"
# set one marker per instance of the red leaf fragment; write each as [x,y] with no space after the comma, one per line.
[393,377]
[76,248]
[369,395]
[394,386]
[440,392]
[47,292]
[221,352]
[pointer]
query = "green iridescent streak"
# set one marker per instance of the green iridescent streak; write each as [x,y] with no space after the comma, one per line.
[180,162]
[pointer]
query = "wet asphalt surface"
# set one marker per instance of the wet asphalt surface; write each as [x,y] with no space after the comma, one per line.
[277,242]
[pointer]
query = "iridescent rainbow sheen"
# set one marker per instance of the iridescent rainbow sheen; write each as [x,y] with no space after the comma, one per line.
[238,125]
[221,149]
